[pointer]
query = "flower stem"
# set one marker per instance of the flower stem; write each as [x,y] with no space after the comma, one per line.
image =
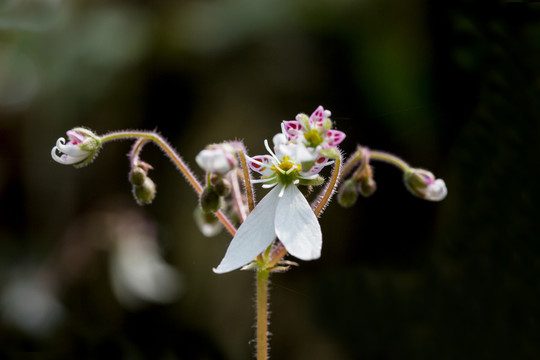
[165,146]
[352,161]
[330,188]
[388,158]
[237,196]
[247,181]
[262,313]
[175,158]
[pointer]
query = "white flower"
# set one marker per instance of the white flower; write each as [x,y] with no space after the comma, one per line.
[81,148]
[283,213]
[139,274]
[423,184]
[215,159]
[436,191]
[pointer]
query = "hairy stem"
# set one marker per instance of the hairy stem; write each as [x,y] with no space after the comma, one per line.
[389,158]
[247,181]
[330,188]
[175,158]
[262,313]
[237,196]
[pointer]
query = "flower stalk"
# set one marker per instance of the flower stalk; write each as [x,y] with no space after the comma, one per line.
[262,313]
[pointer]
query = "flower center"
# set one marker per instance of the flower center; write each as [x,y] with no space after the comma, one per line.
[313,137]
[287,170]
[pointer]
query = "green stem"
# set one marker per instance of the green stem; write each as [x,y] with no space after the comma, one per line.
[262,313]
[352,161]
[388,158]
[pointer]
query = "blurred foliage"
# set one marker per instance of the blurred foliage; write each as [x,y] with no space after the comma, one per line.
[452,87]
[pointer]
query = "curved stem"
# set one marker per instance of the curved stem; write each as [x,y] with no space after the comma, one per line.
[175,158]
[389,158]
[136,150]
[165,146]
[330,188]
[352,161]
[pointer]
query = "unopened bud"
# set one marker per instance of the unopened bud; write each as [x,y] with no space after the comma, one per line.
[82,147]
[367,186]
[137,176]
[222,186]
[348,194]
[144,194]
[331,153]
[216,158]
[210,200]
[423,184]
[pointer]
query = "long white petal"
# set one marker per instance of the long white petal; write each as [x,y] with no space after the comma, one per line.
[297,226]
[70,149]
[66,159]
[254,235]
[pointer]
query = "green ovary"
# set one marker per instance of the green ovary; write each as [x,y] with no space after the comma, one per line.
[287,171]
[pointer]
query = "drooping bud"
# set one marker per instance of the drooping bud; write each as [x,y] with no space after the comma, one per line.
[144,194]
[210,200]
[367,187]
[222,186]
[137,175]
[348,194]
[424,185]
[80,150]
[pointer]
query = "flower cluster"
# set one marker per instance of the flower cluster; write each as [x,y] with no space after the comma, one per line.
[300,152]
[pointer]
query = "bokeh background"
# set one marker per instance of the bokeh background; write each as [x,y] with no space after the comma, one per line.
[449,86]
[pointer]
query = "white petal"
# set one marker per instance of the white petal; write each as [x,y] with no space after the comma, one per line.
[279,138]
[65,159]
[70,149]
[436,191]
[253,236]
[297,226]
[214,161]
[304,155]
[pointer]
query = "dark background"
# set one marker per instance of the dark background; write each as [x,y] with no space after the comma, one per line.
[450,87]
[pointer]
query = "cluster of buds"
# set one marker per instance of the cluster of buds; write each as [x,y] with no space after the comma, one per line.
[143,188]
[217,160]
[360,183]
